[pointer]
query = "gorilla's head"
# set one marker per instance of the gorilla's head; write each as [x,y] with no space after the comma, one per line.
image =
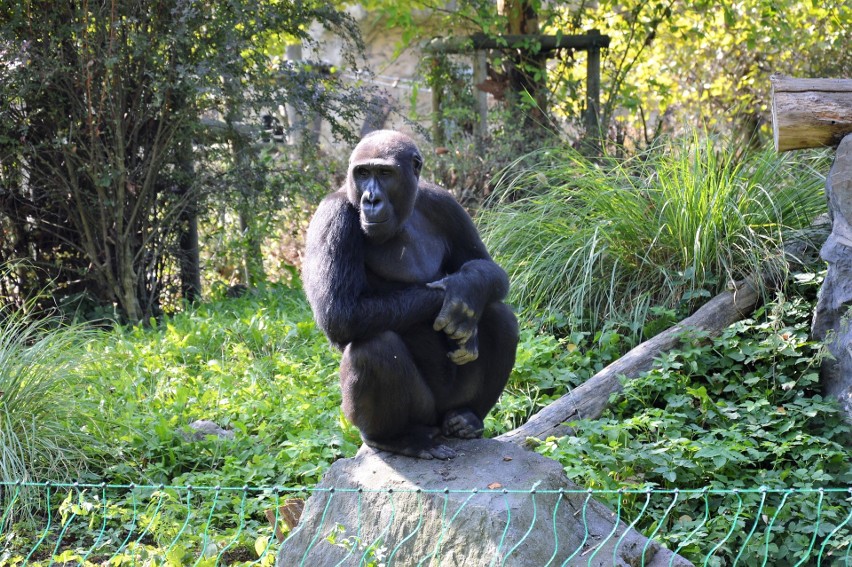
[384,171]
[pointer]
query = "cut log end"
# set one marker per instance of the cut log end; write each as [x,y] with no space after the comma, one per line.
[810,113]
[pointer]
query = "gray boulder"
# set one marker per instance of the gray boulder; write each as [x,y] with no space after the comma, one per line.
[831,318]
[432,517]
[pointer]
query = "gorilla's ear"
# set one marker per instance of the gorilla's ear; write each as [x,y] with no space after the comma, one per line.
[417,163]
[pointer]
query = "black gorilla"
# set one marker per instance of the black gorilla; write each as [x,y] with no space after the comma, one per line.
[399,279]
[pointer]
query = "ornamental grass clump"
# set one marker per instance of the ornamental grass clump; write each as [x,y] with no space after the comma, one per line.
[46,418]
[593,241]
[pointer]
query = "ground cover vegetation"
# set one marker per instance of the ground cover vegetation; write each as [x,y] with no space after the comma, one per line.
[108,173]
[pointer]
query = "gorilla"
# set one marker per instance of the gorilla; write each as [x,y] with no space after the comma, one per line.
[400,281]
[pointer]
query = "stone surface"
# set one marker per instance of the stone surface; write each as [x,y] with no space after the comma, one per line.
[453,526]
[203,428]
[831,318]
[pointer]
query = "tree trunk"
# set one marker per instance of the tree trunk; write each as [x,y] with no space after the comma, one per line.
[188,255]
[527,72]
[809,113]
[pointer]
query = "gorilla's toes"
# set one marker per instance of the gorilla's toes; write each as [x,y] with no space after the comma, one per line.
[463,424]
[441,452]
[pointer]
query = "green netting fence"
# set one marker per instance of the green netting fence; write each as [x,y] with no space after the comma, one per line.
[102,524]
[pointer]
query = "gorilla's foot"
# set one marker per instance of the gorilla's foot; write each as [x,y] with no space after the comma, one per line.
[462,423]
[420,444]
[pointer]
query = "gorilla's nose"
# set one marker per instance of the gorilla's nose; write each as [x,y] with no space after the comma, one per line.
[373,207]
[371,198]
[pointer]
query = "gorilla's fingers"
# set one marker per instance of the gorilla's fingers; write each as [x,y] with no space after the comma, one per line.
[462,423]
[461,356]
[456,319]
[441,321]
[459,333]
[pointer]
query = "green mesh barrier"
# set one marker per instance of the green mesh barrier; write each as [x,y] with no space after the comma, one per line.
[101,524]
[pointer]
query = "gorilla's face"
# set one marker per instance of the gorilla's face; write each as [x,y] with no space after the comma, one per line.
[384,171]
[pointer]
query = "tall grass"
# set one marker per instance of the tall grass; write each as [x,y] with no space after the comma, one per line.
[623,240]
[46,416]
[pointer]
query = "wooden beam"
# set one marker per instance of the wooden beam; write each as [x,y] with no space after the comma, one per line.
[515,41]
[810,113]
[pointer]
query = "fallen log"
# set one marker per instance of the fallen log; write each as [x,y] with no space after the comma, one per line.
[590,399]
[810,113]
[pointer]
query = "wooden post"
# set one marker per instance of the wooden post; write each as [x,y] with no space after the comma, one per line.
[809,113]
[593,88]
[480,74]
[438,137]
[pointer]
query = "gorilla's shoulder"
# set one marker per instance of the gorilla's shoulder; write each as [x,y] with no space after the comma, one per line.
[436,195]
[336,198]
[337,203]
[335,212]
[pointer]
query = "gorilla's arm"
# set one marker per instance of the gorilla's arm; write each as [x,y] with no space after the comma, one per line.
[335,280]
[473,279]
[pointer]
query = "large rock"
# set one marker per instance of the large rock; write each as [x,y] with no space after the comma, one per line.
[831,318]
[375,504]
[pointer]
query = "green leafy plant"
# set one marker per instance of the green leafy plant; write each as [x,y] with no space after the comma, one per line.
[740,411]
[254,365]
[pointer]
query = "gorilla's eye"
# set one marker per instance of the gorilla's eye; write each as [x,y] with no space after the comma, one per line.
[386,172]
[362,172]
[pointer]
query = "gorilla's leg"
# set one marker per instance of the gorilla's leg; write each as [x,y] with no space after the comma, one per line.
[386,398]
[479,383]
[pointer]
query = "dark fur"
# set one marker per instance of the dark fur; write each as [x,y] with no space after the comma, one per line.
[399,279]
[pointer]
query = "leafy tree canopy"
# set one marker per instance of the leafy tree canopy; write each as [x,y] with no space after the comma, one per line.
[668,61]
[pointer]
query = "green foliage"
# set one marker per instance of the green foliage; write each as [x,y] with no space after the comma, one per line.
[643,241]
[739,411]
[254,365]
[268,202]
[546,368]
[109,155]
[669,64]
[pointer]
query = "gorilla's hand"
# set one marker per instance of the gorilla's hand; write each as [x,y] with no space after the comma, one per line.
[467,351]
[458,317]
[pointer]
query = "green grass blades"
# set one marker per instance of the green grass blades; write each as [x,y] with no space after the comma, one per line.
[626,240]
